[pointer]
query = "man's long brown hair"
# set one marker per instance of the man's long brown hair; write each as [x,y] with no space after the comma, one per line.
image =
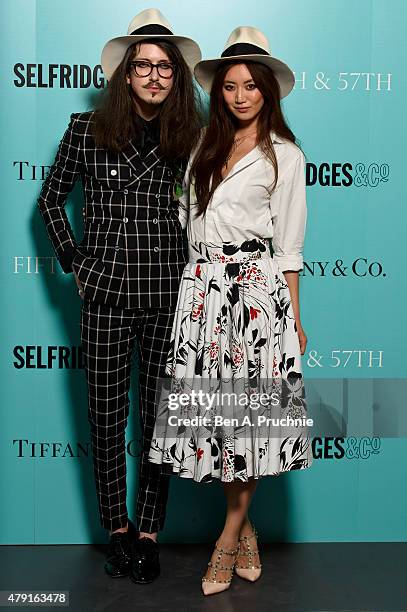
[220,133]
[115,123]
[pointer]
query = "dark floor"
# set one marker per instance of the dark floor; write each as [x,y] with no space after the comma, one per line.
[296,578]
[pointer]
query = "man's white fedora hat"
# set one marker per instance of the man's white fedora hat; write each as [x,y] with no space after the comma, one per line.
[150,23]
[246,43]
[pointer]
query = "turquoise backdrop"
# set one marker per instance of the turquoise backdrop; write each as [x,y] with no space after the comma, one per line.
[348,110]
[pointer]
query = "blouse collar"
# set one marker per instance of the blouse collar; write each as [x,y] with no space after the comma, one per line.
[251,157]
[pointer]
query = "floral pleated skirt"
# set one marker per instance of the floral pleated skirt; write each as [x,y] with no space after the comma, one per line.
[233,406]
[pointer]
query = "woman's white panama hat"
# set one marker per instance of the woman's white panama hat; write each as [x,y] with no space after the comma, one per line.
[150,23]
[246,43]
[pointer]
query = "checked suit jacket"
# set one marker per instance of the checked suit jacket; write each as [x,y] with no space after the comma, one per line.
[133,250]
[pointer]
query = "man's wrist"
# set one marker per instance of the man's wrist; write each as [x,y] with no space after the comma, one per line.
[66,258]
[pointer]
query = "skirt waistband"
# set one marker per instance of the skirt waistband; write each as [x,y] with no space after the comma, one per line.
[229,252]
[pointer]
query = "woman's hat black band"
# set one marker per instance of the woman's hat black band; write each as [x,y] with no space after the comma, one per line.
[243,49]
[151,28]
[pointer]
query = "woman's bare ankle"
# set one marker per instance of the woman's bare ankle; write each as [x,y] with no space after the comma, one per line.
[228,541]
[247,528]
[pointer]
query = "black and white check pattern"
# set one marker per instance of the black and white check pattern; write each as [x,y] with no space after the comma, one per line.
[108,336]
[133,250]
[129,263]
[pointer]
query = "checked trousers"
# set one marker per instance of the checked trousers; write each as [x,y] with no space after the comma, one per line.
[108,337]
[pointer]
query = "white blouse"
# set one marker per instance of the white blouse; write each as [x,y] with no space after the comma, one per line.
[242,208]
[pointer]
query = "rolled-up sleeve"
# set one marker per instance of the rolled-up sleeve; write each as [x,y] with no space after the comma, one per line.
[289,217]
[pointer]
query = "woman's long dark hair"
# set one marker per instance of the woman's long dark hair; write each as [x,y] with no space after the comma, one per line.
[220,133]
[114,123]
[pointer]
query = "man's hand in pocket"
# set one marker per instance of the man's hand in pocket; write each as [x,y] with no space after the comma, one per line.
[78,284]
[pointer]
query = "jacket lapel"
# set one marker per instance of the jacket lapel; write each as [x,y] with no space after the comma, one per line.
[139,167]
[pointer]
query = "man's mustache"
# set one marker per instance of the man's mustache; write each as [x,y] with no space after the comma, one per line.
[154,84]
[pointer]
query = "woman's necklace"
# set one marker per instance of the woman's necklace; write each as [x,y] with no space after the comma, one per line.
[236,144]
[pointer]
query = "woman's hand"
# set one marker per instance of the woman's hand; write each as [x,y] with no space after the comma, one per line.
[302,338]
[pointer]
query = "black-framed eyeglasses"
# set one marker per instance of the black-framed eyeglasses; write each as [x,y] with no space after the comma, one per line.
[143,68]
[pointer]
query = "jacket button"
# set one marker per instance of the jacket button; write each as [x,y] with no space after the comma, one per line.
[113,172]
[125,219]
[155,220]
[125,191]
[156,249]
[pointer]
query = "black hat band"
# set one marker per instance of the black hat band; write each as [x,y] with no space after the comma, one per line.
[152,28]
[243,49]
